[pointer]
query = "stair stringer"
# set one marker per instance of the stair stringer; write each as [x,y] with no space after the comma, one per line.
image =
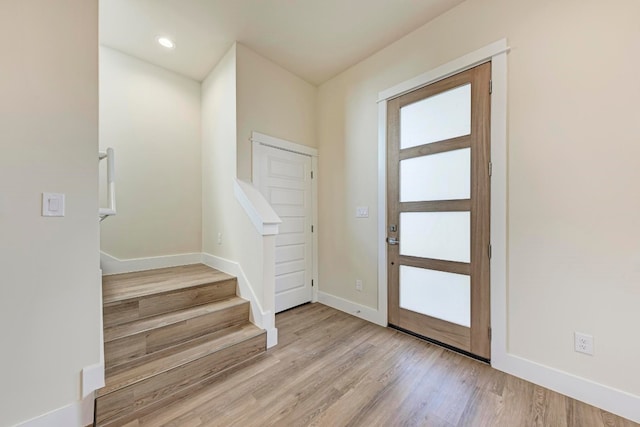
[264,319]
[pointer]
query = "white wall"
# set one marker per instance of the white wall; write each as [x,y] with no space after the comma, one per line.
[221,212]
[573,251]
[272,101]
[49,284]
[151,117]
[246,92]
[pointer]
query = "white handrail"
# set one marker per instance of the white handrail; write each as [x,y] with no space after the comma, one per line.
[110,210]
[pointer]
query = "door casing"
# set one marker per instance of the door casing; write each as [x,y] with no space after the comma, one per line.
[495,52]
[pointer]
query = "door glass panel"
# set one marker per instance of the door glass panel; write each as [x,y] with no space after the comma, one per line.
[446,296]
[437,235]
[439,117]
[442,176]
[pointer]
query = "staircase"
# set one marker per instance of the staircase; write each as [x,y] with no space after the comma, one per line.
[167,332]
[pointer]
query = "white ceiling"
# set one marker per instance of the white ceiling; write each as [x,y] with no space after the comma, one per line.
[315,39]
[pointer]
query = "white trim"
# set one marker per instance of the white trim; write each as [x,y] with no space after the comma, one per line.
[495,52]
[607,398]
[498,263]
[382,214]
[450,68]
[362,311]
[76,414]
[610,399]
[602,396]
[92,378]
[112,265]
[101,318]
[314,235]
[261,214]
[283,144]
[259,139]
[261,318]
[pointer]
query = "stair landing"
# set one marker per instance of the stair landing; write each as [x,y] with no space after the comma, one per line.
[119,287]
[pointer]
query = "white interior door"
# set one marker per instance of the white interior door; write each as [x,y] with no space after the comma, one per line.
[284,178]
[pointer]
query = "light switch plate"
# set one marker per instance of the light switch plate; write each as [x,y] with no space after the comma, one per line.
[52,204]
[362,212]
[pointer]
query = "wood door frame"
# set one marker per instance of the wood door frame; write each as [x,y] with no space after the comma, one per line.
[474,338]
[260,139]
[496,53]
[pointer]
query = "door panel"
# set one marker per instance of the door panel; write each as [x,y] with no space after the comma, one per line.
[289,282]
[436,235]
[438,294]
[438,210]
[289,239]
[283,177]
[284,267]
[436,118]
[291,225]
[289,198]
[450,173]
[288,253]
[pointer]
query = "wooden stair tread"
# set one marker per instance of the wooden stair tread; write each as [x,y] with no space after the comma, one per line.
[127,329]
[166,331]
[112,371]
[120,287]
[143,397]
[177,356]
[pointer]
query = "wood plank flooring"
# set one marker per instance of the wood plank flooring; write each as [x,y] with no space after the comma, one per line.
[120,287]
[332,369]
[168,333]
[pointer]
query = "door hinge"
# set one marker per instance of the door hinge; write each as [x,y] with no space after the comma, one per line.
[490,168]
[312,283]
[489,251]
[311,174]
[490,334]
[490,87]
[312,228]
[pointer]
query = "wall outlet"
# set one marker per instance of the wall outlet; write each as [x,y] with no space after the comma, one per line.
[358,285]
[583,343]
[219,238]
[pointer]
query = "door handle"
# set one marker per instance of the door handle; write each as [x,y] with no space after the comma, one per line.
[392,240]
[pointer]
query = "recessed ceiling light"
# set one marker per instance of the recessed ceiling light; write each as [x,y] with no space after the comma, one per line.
[166,42]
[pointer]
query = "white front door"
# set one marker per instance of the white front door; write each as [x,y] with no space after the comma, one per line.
[284,178]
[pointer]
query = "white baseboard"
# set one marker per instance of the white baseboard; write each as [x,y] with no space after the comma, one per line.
[362,311]
[77,414]
[112,265]
[92,379]
[611,400]
[263,319]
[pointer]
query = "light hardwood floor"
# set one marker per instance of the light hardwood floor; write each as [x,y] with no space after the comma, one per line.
[332,369]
